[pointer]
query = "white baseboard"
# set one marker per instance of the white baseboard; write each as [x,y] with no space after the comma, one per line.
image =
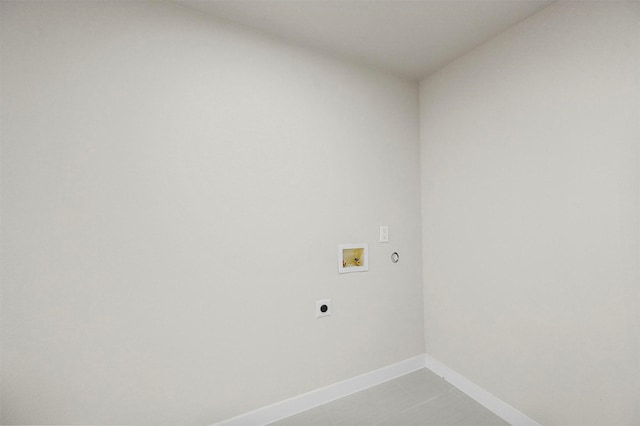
[489,401]
[297,404]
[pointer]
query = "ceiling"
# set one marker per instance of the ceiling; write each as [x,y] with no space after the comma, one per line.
[407,38]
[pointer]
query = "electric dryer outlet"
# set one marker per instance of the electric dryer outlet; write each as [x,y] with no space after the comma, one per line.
[323,308]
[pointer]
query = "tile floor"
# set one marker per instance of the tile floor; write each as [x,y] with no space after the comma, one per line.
[420,398]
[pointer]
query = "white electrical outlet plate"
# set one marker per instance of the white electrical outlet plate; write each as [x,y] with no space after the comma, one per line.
[323,308]
[384,234]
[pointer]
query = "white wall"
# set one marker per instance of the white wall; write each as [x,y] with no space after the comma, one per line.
[173,193]
[529,150]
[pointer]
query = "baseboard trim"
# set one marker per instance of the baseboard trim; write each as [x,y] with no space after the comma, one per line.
[488,400]
[297,404]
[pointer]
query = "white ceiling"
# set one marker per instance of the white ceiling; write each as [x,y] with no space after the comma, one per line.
[408,38]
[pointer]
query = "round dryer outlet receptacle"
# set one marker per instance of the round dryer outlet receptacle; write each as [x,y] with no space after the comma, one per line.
[323,308]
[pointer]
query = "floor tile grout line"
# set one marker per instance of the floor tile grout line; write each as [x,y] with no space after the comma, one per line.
[405,391]
[448,386]
[423,402]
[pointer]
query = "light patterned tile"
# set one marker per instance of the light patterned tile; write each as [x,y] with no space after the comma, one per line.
[369,406]
[450,409]
[477,410]
[423,385]
[314,417]
[492,420]
[420,398]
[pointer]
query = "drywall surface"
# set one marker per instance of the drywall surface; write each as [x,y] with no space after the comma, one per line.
[529,159]
[174,190]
